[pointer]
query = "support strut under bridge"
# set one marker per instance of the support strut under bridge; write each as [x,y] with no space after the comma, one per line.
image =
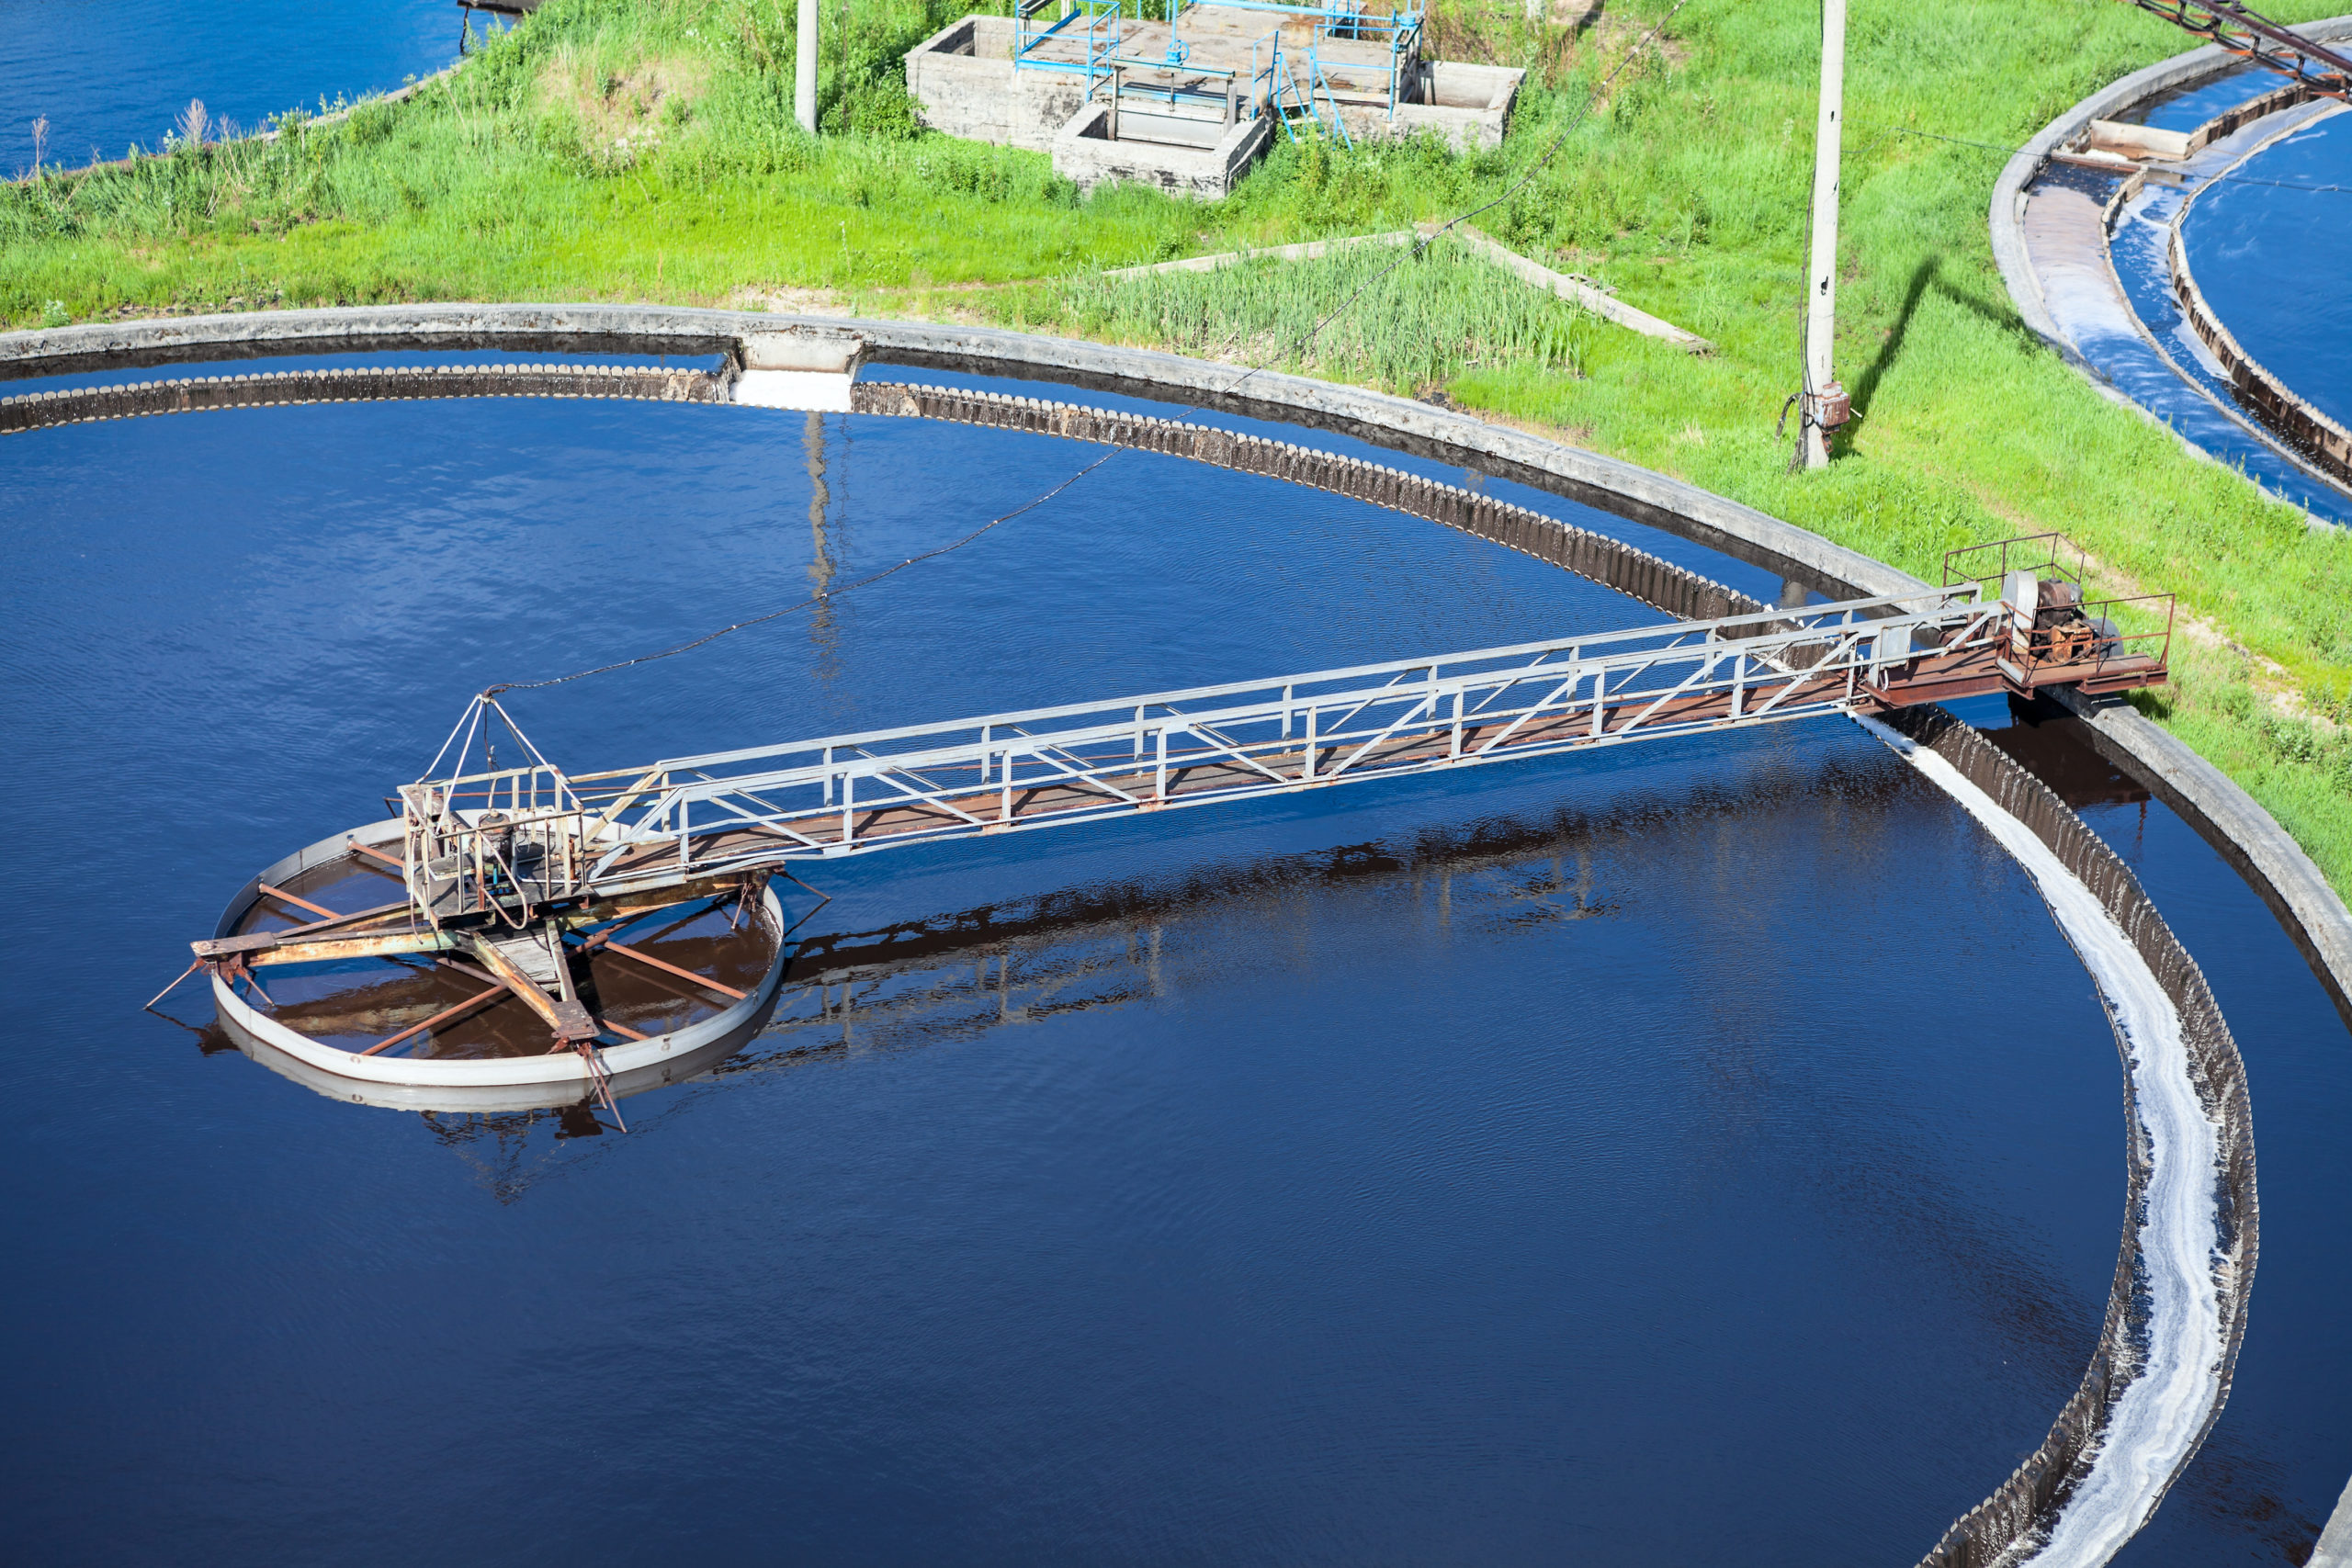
[503,849]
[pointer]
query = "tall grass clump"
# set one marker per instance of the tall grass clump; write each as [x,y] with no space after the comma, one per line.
[1403,321]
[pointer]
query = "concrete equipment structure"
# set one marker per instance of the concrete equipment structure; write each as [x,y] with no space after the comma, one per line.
[1190,102]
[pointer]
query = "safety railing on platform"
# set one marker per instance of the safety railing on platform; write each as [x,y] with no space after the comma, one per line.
[1385,82]
[1301,85]
[2046,556]
[506,839]
[1096,25]
[2092,642]
[707,815]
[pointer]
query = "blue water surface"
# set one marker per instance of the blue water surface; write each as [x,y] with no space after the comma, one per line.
[108,75]
[1629,1158]
[1551,1160]
[2271,259]
[2186,109]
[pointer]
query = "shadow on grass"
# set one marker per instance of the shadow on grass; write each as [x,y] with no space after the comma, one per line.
[1925,277]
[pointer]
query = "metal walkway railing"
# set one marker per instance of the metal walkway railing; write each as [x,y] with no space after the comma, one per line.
[526,836]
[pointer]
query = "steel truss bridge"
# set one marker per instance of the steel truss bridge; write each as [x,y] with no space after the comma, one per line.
[501,851]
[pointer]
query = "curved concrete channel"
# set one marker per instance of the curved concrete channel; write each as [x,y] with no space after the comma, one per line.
[2318,440]
[2057,226]
[2177,1307]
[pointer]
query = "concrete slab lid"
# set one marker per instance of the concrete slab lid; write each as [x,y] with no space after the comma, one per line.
[797,369]
[835,354]
[2146,140]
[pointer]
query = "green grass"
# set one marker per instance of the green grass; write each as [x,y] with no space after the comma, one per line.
[1438,316]
[642,149]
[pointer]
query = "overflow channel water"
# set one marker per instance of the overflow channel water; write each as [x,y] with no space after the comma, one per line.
[2267,247]
[2153,269]
[1640,1154]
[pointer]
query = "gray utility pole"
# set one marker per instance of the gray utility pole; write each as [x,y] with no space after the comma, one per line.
[804,70]
[1825,405]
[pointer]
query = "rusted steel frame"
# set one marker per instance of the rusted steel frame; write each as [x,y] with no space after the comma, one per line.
[447,1015]
[174,986]
[283,896]
[2288,53]
[374,853]
[673,969]
[563,1014]
[522,985]
[691,995]
[356,918]
[2122,638]
[471,971]
[333,949]
[596,913]
[2011,551]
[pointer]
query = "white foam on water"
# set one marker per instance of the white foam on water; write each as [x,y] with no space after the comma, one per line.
[821,391]
[2154,1427]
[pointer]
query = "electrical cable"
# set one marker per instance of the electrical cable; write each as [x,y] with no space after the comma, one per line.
[813,598]
[2012,151]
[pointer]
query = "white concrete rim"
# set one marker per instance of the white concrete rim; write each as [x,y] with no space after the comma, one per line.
[563,1068]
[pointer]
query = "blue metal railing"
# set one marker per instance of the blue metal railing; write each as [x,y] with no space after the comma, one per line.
[1293,88]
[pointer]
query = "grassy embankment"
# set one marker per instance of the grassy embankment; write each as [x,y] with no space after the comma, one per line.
[642,149]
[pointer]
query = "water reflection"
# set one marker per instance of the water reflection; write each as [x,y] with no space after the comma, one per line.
[824,544]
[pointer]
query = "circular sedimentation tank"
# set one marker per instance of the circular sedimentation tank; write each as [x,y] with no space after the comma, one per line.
[1715,930]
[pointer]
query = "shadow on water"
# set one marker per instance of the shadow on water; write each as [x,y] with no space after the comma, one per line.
[957,977]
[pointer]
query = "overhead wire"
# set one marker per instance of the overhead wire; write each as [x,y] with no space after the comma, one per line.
[2183,174]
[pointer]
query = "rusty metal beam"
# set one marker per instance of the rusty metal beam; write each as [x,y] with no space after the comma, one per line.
[446,1015]
[673,969]
[262,947]
[566,1019]
[2250,35]
[301,903]
[374,853]
[356,918]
